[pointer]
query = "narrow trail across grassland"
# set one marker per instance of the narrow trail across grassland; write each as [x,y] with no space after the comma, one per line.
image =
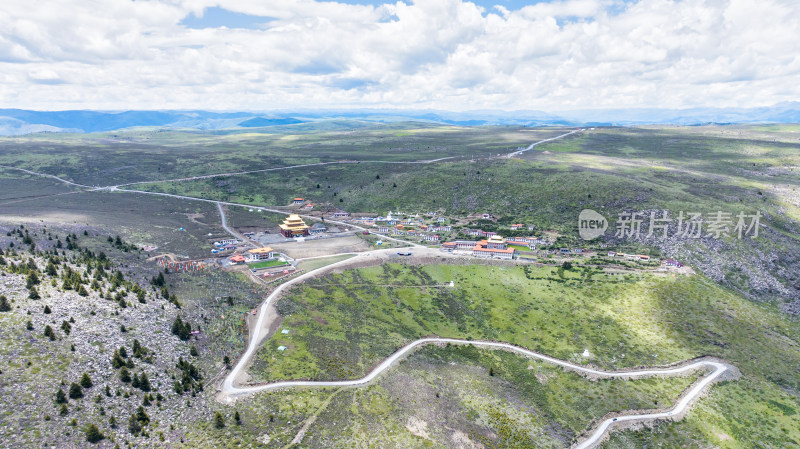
[531,146]
[30,172]
[235,234]
[231,389]
[264,170]
[595,435]
[289,167]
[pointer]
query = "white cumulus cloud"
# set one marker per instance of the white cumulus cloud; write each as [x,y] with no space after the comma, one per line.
[444,54]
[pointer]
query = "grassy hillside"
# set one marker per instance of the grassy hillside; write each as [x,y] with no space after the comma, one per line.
[612,170]
[691,169]
[150,154]
[340,325]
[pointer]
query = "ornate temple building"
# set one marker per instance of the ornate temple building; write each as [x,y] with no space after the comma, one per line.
[294,226]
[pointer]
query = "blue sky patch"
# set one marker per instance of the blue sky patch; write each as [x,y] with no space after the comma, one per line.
[216,17]
[488,4]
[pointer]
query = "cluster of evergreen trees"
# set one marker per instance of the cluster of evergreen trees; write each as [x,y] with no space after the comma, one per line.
[78,269]
[190,378]
[160,282]
[98,270]
[183,329]
[141,382]
[138,421]
[121,245]
[75,392]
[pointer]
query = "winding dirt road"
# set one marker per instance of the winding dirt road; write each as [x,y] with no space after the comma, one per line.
[235,234]
[30,172]
[531,146]
[288,167]
[261,170]
[231,390]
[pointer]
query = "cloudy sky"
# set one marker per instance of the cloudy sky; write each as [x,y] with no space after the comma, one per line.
[437,54]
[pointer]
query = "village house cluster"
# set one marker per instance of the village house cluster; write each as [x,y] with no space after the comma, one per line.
[447,233]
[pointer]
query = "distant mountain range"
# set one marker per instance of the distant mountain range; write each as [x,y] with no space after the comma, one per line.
[18,121]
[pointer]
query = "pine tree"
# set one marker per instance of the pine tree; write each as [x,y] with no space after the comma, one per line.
[141,416]
[177,325]
[33,293]
[185,331]
[47,310]
[66,327]
[64,410]
[32,280]
[48,332]
[75,391]
[61,397]
[4,304]
[86,381]
[219,421]
[124,375]
[29,325]
[144,382]
[116,360]
[237,418]
[133,425]
[93,434]
[135,381]
[159,280]
[112,422]
[82,291]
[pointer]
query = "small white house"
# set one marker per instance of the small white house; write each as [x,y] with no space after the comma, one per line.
[265,253]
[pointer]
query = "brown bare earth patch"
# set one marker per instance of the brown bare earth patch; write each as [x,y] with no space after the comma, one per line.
[322,247]
[462,441]
[418,427]
[722,436]
[197,218]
